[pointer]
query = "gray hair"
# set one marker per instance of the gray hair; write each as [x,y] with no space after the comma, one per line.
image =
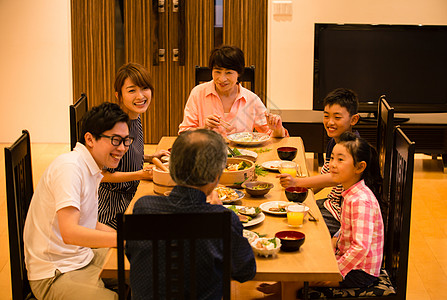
[198,157]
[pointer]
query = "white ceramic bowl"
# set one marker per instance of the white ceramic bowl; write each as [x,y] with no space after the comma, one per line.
[262,251]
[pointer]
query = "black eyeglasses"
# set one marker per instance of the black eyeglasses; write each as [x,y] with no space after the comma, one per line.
[116,140]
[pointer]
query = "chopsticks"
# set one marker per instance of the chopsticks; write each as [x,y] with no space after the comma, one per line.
[231,151]
[224,123]
[312,215]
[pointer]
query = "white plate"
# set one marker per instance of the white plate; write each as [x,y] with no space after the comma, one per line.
[272,165]
[267,205]
[247,152]
[256,220]
[248,138]
[239,193]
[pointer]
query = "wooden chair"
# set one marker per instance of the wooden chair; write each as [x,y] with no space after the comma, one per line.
[77,111]
[393,280]
[19,191]
[385,127]
[189,228]
[204,74]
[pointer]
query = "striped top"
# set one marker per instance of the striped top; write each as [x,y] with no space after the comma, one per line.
[333,202]
[114,197]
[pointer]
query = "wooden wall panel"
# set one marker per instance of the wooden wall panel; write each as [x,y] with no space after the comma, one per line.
[172,82]
[93,50]
[245,26]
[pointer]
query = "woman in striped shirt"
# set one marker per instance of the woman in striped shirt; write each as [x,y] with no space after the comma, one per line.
[134,90]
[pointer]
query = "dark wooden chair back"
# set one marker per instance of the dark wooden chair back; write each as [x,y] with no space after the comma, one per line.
[203,74]
[19,191]
[190,228]
[77,111]
[385,127]
[398,234]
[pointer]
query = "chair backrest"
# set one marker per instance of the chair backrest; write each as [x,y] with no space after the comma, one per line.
[190,227]
[398,234]
[385,128]
[19,191]
[204,74]
[77,111]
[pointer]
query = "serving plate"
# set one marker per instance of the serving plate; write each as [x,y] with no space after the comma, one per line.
[248,138]
[267,205]
[256,220]
[225,200]
[246,152]
[272,165]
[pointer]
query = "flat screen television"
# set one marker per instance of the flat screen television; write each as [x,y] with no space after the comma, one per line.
[406,63]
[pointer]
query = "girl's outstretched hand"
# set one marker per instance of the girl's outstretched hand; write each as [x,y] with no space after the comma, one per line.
[286,180]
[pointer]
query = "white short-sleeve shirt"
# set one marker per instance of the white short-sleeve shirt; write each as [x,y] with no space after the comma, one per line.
[72,179]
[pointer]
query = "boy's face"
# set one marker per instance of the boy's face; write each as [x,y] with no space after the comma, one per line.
[104,153]
[336,120]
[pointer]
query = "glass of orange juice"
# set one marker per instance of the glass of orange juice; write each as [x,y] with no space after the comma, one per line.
[295,215]
[288,167]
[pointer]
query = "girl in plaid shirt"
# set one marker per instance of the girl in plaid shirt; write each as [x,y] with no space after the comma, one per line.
[359,243]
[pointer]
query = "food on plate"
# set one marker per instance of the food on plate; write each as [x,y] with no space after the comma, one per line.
[277,209]
[250,235]
[267,244]
[237,167]
[226,193]
[266,247]
[242,218]
[250,211]
[280,207]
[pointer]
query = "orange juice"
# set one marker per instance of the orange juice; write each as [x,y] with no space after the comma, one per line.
[291,171]
[288,167]
[295,215]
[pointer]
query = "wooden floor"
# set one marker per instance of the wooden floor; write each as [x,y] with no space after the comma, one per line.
[427,272]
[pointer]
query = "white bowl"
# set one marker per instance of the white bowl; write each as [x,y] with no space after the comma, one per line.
[261,251]
[162,181]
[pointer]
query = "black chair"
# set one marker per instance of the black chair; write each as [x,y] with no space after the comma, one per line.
[19,191]
[385,127]
[204,74]
[190,227]
[393,280]
[77,111]
[398,235]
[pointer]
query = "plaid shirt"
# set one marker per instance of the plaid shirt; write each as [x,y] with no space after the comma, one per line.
[360,243]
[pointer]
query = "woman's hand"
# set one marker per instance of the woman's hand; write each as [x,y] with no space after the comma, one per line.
[161,153]
[146,173]
[212,121]
[275,123]
[286,180]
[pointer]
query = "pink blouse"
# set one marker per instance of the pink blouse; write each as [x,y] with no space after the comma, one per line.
[360,243]
[246,114]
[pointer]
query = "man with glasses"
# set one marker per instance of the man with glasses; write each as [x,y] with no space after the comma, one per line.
[62,225]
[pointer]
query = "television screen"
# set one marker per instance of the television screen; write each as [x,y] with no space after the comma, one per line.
[407,63]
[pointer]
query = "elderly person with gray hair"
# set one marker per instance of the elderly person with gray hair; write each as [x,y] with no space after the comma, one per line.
[197,160]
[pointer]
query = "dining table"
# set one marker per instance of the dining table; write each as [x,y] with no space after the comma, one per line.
[313,262]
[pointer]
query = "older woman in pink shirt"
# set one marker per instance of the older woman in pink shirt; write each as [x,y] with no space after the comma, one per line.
[224,105]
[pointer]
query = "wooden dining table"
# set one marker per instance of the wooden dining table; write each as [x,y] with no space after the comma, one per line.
[315,260]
